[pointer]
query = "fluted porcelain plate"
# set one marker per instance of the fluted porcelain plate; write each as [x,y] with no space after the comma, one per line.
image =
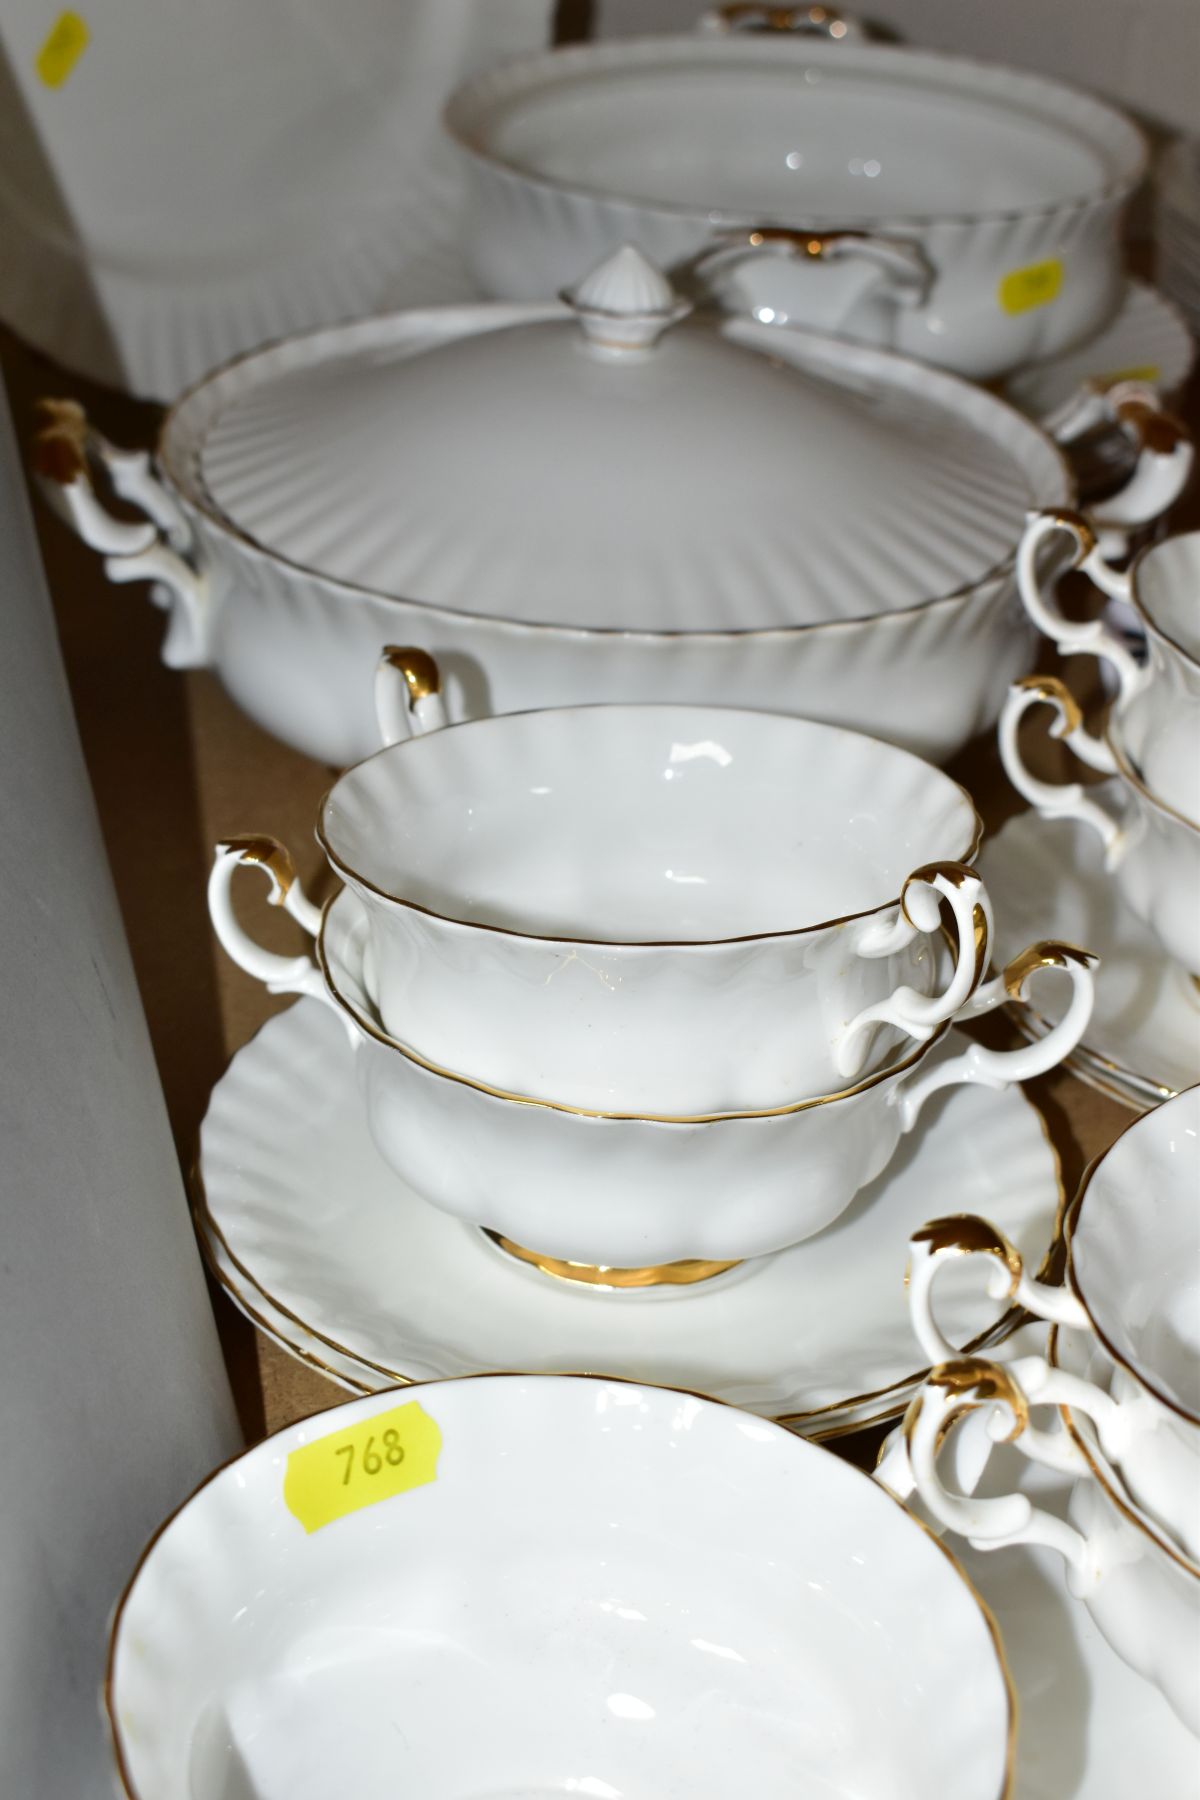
[1143,1041]
[1148,341]
[355,1273]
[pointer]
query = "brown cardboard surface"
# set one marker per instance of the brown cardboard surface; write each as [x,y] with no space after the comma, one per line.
[176,767]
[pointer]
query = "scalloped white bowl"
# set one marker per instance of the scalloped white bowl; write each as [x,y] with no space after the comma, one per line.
[656,908]
[607,1590]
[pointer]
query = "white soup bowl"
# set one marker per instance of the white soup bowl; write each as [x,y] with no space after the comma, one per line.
[663,909]
[636,1195]
[517,1587]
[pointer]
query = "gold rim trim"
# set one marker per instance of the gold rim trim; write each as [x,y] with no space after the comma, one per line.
[1129,772]
[685,1273]
[197,499]
[993,1336]
[206,1224]
[354,877]
[1070,1232]
[1152,625]
[1008,1784]
[237,1298]
[1106,1481]
[371,1029]
[116,1741]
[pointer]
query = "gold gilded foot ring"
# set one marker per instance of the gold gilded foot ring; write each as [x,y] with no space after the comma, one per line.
[672,1274]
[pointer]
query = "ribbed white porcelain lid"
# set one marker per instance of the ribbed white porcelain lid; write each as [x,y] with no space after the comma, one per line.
[618,465]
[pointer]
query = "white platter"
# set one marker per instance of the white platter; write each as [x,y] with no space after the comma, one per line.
[353,1272]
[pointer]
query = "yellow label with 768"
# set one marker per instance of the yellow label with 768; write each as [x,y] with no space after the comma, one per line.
[374,1460]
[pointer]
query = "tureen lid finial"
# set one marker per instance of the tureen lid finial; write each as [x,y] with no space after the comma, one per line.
[626,302]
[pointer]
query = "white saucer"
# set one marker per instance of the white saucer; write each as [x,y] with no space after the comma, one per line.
[1148,341]
[1143,1041]
[352,1271]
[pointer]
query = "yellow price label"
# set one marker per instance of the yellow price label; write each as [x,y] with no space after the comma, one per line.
[69,38]
[1037,285]
[372,1461]
[1149,372]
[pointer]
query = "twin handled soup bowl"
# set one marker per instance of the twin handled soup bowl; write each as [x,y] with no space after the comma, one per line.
[402,478]
[1141,1588]
[1123,1367]
[1157,702]
[513,1587]
[658,909]
[1151,849]
[621,1199]
[1133,1286]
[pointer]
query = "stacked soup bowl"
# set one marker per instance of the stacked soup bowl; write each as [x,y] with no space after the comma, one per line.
[644,991]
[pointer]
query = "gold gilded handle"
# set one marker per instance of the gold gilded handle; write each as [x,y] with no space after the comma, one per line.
[1058,800]
[279,974]
[159,548]
[966,1385]
[408,693]
[901,259]
[917,1014]
[804,21]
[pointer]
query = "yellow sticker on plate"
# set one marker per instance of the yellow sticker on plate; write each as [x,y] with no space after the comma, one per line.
[1149,372]
[372,1461]
[1037,285]
[69,38]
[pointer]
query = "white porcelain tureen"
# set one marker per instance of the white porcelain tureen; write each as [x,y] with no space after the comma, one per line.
[593,499]
[959,211]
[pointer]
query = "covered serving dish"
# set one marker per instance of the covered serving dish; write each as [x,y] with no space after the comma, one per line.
[960,211]
[585,500]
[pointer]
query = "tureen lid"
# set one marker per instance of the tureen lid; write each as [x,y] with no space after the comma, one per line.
[609,462]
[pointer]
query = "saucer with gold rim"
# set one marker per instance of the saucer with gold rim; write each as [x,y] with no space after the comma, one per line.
[360,1275]
[1142,1044]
